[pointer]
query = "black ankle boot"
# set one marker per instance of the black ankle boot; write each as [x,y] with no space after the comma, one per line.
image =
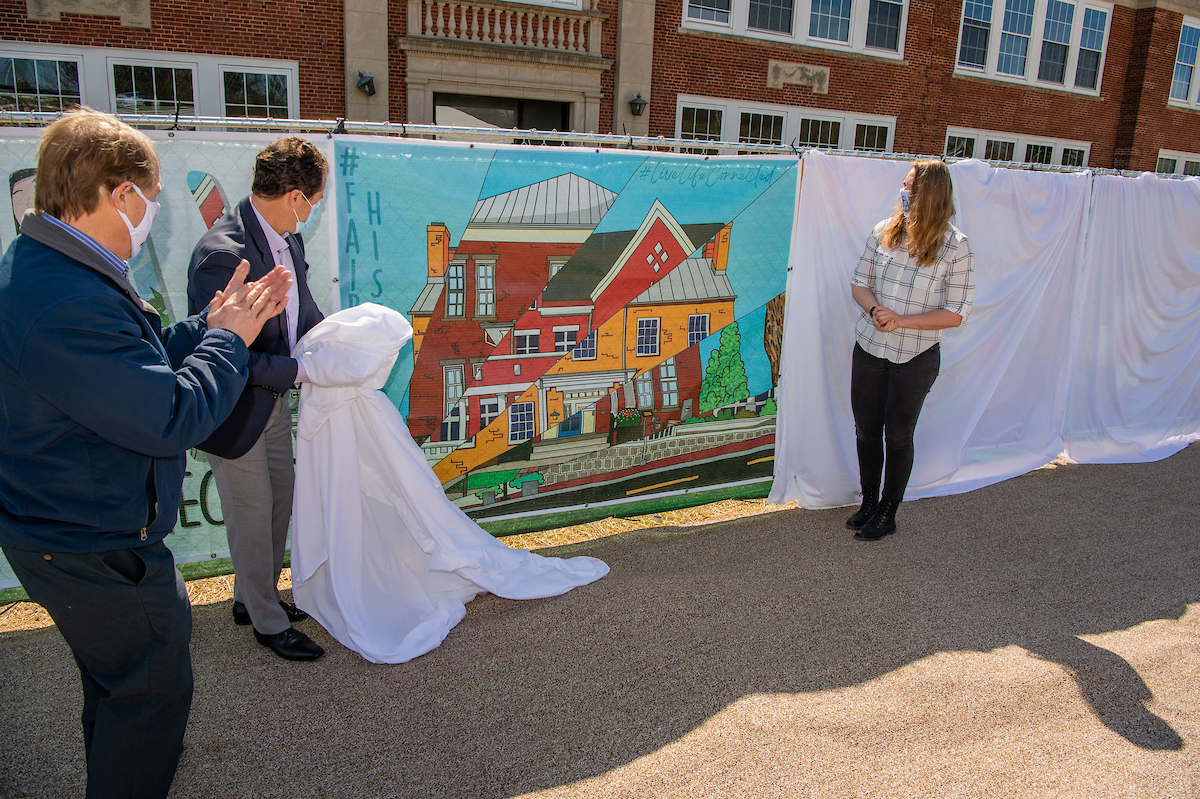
[882,523]
[869,503]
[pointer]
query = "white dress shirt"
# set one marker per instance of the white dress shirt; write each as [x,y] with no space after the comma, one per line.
[281,254]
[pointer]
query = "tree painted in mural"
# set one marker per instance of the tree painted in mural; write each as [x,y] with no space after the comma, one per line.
[725,377]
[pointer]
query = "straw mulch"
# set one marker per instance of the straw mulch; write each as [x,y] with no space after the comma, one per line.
[211,590]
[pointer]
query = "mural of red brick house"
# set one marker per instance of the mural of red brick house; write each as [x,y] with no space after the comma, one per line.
[619,308]
[477,290]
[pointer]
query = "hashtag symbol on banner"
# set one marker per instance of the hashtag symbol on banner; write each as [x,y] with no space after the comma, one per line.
[349,162]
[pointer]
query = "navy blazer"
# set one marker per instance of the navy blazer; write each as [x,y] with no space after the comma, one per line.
[235,236]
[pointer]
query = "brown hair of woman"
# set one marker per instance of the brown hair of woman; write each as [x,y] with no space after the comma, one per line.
[931,205]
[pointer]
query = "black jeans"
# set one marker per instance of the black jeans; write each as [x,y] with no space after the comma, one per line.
[125,614]
[886,398]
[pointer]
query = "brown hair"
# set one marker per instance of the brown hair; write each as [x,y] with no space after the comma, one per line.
[931,205]
[83,152]
[287,164]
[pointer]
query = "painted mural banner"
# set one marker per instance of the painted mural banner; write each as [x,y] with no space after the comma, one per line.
[592,328]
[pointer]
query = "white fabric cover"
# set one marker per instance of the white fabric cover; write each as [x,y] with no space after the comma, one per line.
[997,407]
[380,557]
[1135,393]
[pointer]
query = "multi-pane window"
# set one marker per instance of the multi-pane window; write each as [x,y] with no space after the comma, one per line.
[960,147]
[872,138]
[647,336]
[709,10]
[668,383]
[701,124]
[1039,153]
[761,128]
[586,349]
[142,89]
[456,289]
[1072,157]
[819,133]
[526,342]
[1014,36]
[976,25]
[1185,63]
[1091,44]
[1009,147]
[485,289]
[38,84]
[489,409]
[564,340]
[770,15]
[644,383]
[453,391]
[883,24]
[1176,163]
[998,150]
[697,328]
[830,19]
[1056,41]
[256,94]
[520,422]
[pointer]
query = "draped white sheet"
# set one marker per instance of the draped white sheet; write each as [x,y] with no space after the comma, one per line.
[1135,393]
[380,557]
[997,408]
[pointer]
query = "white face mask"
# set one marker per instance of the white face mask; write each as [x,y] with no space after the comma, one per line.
[139,234]
[905,199]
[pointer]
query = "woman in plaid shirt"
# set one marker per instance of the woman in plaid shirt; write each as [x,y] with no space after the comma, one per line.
[914,280]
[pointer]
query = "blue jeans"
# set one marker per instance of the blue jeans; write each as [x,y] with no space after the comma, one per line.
[125,614]
[886,398]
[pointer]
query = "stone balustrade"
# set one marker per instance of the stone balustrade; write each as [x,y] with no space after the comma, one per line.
[563,30]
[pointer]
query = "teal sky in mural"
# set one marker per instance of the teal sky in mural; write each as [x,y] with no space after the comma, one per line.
[512,169]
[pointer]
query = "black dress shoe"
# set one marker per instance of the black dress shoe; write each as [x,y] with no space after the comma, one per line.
[291,644]
[294,614]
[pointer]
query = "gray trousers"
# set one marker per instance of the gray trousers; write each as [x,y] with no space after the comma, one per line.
[125,614]
[256,500]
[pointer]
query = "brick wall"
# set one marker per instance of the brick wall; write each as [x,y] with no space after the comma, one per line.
[608,49]
[397,92]
[922,92]
[306,31]
[1149,123]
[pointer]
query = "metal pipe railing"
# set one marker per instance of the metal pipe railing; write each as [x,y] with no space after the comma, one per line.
[491,135]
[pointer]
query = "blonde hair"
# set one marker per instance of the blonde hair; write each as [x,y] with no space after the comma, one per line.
[923,229]
[84,151]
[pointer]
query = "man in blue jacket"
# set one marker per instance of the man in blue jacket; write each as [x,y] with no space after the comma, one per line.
[97,406]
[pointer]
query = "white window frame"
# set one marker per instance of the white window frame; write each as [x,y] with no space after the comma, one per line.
[50,53]
[575,352]
[461,292]
[1034,55]
[643,389]
[208,81]
[1181,159]
[731,119]
[1020,141]
[480,267]
[801,12]
[525,334]
[113,60]
[668,383]
[707,331]
[484,418]
[1193,98]
[514,409]
[565,329]
[657,342]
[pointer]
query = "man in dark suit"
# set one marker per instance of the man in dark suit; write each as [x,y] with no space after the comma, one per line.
[251,453]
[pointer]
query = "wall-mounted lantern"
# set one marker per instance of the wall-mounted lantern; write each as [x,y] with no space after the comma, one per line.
[367,84]
[637,105]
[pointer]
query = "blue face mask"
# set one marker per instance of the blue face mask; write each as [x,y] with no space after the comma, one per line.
[302,226]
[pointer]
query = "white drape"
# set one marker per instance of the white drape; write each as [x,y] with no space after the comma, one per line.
[1000,406]
[1135,394]
[380,557]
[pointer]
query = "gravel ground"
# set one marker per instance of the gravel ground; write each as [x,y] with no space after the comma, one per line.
[1034,638]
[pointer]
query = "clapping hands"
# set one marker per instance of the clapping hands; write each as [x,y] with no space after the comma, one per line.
[243,308]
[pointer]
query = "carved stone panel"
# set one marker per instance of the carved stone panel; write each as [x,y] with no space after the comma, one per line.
[133,13]
[780,73]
